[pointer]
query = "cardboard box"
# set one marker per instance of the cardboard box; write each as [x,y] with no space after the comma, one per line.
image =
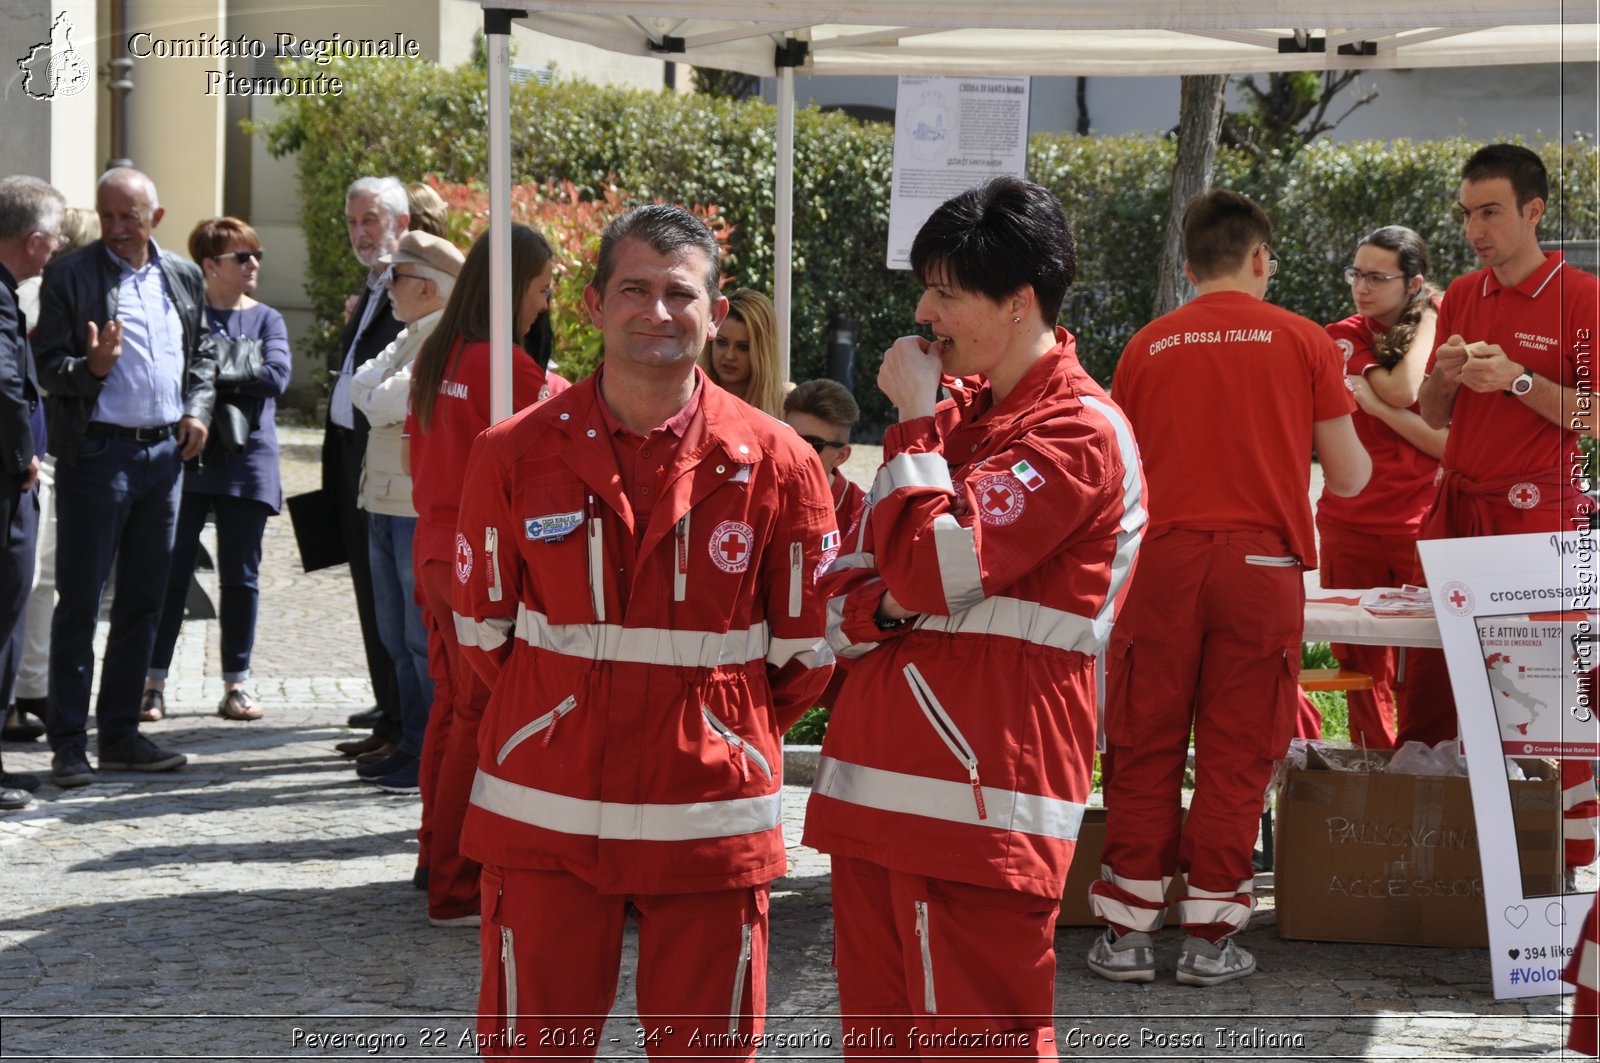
[1086,869]
[1393,859]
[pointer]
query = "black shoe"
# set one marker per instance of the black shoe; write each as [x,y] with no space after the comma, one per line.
[139,754]
[396,761]
[18,728]
[356,747]
[70,767]
[17,780]
[419,879]
[11,800]
[367,718]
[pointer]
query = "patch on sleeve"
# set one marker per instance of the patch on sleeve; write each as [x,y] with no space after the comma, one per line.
[830,541]
[1346,348]
[1028,475]
[999,498]
[552,527]
[463,558]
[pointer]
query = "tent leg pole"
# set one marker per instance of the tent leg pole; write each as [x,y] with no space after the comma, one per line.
[497,44]
[783,233]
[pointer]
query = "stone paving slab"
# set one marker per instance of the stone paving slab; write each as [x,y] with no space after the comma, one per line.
[257,905]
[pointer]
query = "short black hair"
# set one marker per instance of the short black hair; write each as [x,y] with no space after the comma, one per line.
[1220,230]
[998,238]
[1517,164]
[666,228]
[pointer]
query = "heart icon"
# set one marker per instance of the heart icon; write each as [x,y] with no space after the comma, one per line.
[1555,913]
[1515,953]
[1516,915]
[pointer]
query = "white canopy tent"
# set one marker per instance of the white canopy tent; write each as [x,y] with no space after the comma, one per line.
[775,38]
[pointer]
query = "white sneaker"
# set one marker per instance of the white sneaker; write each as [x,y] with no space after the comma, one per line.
[1130,958]
[1203,963]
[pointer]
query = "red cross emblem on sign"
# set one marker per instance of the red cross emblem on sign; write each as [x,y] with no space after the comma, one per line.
[1524,496]
[1458,599]
[731,544]
[1000,498]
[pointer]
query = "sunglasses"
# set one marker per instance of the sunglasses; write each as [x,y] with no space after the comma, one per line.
[240,257]
[821,444]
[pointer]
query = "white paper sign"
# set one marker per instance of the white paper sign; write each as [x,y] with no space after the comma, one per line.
[1517,615]
[951,134]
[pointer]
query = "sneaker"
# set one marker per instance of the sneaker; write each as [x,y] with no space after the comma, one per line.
[1203,963]
[70,767]
[376,769]
[11,800]
[19,780]
[404,781]
[139,754]
[1130,958]
[475,919]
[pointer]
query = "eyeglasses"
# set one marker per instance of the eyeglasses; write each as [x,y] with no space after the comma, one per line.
[1355,276]
[395,277]
[240,257]
[821,444]
[1272,260]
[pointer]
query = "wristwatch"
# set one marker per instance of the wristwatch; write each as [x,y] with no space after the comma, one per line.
[1522,385]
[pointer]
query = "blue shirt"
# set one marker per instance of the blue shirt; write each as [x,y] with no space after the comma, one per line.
[145,387]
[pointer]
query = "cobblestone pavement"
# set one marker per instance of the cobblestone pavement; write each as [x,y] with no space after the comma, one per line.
[257,905]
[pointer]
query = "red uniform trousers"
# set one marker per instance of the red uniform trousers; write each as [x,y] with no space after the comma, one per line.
[551,947]
[1358,559]
[1208,640]
[1583,971]
[450,750]
[929,968]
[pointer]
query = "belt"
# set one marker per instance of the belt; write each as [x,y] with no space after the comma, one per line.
[150,434]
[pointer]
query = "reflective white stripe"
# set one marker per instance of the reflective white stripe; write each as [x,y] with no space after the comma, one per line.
[1267,561]
[597,568]
[837,638]
[488,634]
[1131,528]
[811,653]
[1579,830]
[1589,966]
[745,950]
[1028,621]
[1111,910]
[1578,793]
[914,795]
[960,575]
[923,469]
[643,645]
[615,821]
[1246,887]
[1146,889]
[1201,912]
[930,1001]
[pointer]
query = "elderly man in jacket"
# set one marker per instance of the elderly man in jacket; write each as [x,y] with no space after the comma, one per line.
[130,398]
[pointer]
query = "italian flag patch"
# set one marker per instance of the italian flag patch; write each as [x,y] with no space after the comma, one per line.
[1028,475]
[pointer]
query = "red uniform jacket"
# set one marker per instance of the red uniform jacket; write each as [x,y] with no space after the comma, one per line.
[643,678]
[961,744]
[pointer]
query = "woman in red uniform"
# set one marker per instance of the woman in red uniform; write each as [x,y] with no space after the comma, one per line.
[1370,540]
[980,585]
[449,407]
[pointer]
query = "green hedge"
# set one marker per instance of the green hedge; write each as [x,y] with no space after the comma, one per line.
[411,118]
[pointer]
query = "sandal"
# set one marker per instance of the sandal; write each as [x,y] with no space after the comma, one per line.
[152,707]
[237,704]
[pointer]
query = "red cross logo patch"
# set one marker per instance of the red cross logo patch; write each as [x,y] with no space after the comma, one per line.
[999,498]
[1524,496]
[463,558]
[731,544]
[1457,598]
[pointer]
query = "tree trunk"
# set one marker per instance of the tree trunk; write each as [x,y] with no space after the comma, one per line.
[1199,119]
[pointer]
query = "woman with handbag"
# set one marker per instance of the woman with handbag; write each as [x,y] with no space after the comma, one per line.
[236,476]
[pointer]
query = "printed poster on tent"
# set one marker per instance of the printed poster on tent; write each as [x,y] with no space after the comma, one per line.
[949,135]
[1517,616]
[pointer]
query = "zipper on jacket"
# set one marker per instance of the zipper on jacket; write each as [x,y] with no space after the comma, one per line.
[797,560]
[930,1003]
[508,972]
[738,980]
[597,568]
[680,575]
[948,732]
[743,752]
[546,723]
[491,547]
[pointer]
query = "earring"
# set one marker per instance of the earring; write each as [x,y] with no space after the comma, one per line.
[1017,320]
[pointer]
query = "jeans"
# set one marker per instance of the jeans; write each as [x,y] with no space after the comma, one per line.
[119,499]
[240,524]
[400,622]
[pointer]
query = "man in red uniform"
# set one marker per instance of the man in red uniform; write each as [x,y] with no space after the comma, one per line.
[981,584]
[637,588]
[1227,396]
[1512,462]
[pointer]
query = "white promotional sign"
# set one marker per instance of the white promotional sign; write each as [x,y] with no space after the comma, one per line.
[949,135]
[1517,616]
